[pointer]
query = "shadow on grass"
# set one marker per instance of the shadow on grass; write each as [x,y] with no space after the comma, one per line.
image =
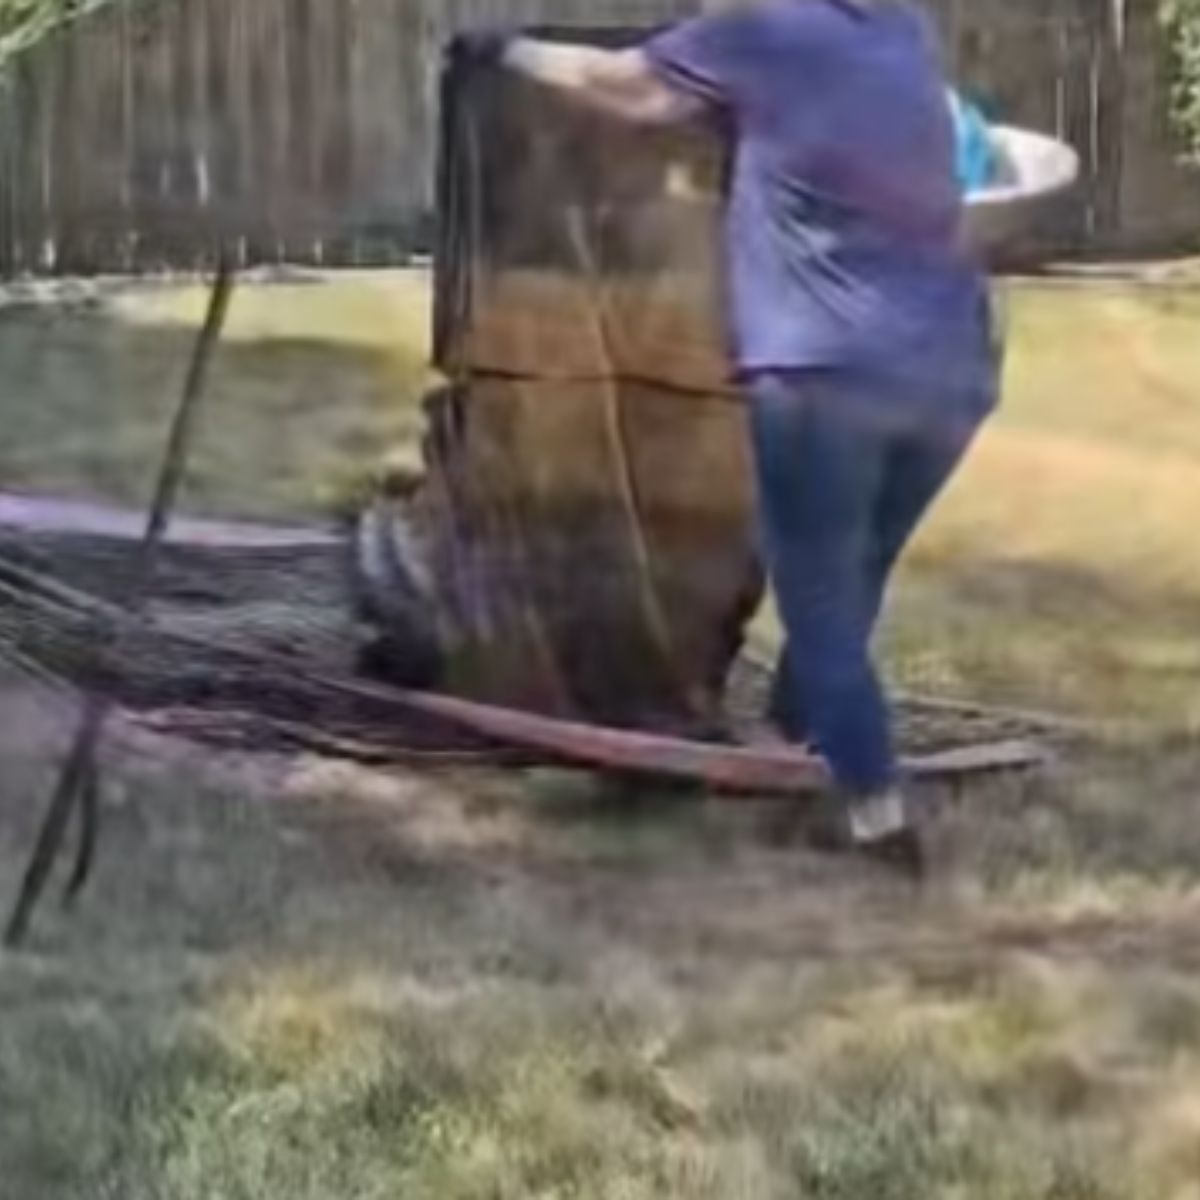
[1067,593]
[299,978]
[289,424]
[1085,641]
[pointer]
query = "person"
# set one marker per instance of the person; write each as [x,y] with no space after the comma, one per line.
[859,325]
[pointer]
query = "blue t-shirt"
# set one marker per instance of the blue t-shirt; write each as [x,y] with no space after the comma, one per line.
[843,226]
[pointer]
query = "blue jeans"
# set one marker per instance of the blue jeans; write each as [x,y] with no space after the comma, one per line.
[846,463]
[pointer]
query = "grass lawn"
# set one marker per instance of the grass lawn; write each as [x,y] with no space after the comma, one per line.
[313,383]
[299,978]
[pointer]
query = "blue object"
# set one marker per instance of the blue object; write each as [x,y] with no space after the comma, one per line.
[846,466]
[843,221]
[974,152]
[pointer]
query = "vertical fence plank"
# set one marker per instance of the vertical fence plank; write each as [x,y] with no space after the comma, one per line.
[1110,109]
[95,121]
[124,134]
[40,193]
[1075,117]
[337,164]
[62,157]
[218,153]
[298,84]
[9,225]
[180,244]
[148,137]
[322,130]
[198,123]
[258,209]
[45,184]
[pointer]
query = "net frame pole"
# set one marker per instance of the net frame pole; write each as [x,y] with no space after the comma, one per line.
[78,783]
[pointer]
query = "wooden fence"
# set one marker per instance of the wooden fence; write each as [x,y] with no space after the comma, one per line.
[304,129]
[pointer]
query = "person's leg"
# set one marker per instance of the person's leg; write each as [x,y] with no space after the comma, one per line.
[818,472]
[915,470]
[942,411]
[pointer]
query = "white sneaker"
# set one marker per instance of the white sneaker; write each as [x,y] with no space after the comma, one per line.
[874,817]
[878,827]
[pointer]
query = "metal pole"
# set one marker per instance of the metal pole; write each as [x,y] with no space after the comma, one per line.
[78,781]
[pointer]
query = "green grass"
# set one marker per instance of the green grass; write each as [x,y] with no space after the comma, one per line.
[299,978]
[312,386]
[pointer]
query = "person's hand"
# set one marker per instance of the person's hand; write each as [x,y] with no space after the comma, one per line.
[480,47]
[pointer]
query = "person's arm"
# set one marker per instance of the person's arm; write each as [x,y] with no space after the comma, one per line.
[621,83]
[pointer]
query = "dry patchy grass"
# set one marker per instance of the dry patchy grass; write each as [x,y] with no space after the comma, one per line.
[298,978]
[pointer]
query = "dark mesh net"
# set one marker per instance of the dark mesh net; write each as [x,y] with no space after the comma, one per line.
[585,514]
[573,245]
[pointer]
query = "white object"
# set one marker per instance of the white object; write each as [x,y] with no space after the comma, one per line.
[1033,170]
[873,818]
